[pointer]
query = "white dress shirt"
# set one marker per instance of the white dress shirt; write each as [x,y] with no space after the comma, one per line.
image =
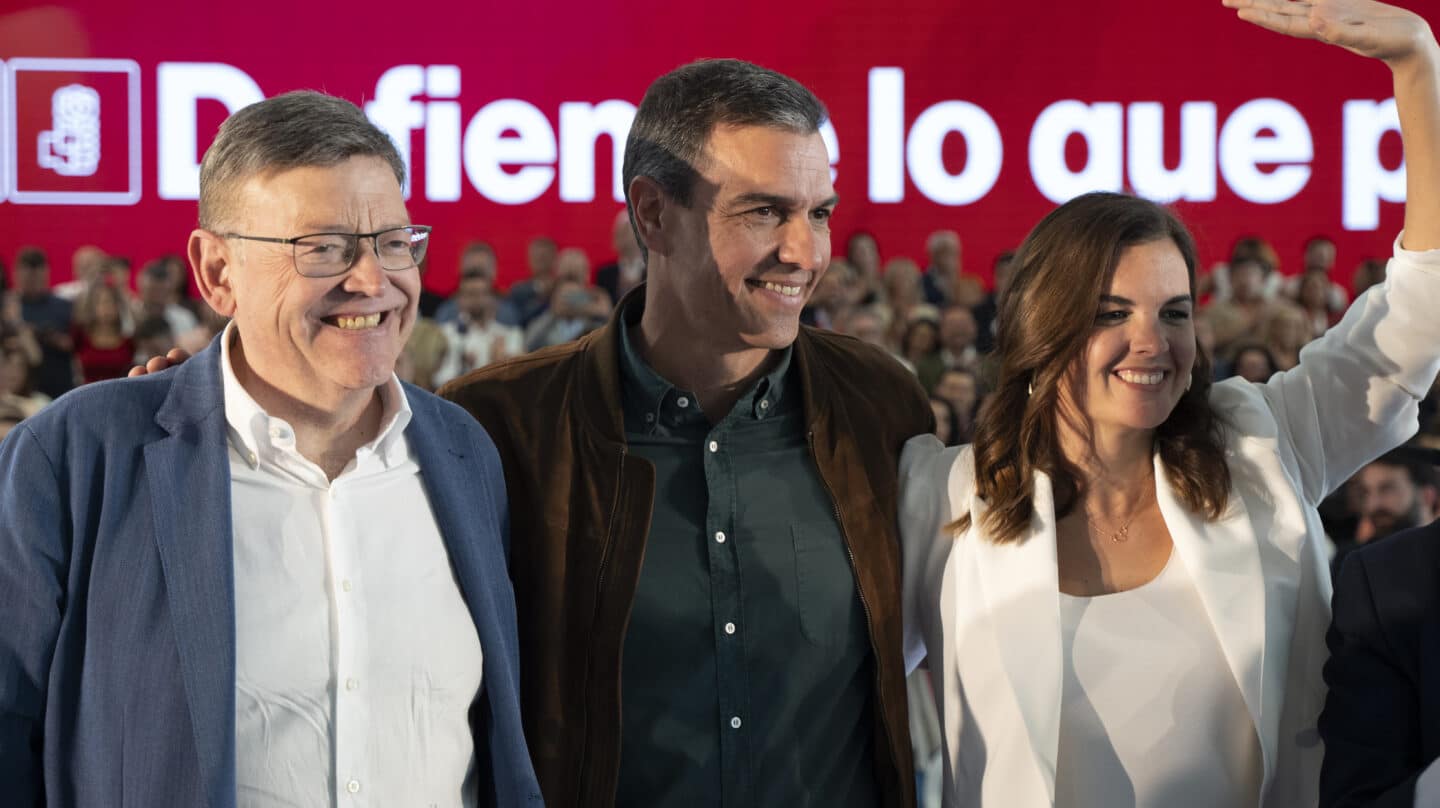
[356,659]
[1150,714]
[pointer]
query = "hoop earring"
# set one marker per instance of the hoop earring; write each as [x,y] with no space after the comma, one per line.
[1189,382]
[1030,389]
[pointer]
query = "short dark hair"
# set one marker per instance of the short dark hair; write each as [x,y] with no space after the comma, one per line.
[1418,462]
[156,270]
[31,258]
[300,128]
[682,107]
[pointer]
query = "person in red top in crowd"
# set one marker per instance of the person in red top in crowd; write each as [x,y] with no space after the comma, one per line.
[102,348]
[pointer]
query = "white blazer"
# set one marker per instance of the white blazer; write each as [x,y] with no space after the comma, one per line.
[988,615]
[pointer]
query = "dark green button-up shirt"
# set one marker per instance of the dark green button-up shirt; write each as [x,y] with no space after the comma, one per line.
[747,677]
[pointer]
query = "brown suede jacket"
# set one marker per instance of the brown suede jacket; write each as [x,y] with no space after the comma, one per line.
[580,510]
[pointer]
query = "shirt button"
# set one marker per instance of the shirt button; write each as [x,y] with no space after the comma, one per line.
[649,416]
[354,785]
[279,433]
[714,445]
[734,724]
[351,684]
[764,404]
[682,402]
[252,458]
[346,585]
[729,628]
[719,537]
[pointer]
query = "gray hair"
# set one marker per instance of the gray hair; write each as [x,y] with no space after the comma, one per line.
[297,129]
[682,107]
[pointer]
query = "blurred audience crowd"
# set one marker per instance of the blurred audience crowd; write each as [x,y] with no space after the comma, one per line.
[938,321]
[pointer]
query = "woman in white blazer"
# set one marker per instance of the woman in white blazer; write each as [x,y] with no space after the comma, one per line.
[1121,586]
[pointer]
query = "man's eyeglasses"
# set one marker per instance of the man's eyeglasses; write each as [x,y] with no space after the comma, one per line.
[325,255]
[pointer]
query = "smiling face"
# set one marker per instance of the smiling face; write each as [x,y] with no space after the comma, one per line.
[749,250]
[316,339]
[1139,356]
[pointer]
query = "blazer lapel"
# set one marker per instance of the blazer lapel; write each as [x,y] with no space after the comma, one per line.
[1223,559]
[1021,588]
[454,500]
[458,503]
[189,484]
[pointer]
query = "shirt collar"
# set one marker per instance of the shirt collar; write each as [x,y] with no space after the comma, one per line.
[647,397]
[260,436]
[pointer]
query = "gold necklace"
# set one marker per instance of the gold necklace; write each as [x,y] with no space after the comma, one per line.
[1117,536]
[1122,535]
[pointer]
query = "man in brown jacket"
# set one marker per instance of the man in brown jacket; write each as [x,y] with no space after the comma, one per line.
[702,492]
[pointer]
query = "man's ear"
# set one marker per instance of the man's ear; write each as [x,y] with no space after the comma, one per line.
[647,205]
[210,261]
[1430,495]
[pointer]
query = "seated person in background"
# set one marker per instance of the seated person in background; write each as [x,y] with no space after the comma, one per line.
[1312,295]
[1285,331]
[87,267]
[156,299]
[1253,362]
[947,428]
[1319,259]
[960,388]
[477,260]
[831,304]
[49,319]
[573,312]
[527,299]
[152,338]
[15,391]
[958,332]
[1368,273]
[1244,313]
[920,346]
[476,338]
[628,269]
[102,348]
[211,324]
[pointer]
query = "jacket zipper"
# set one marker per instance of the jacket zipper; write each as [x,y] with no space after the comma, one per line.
[864,604]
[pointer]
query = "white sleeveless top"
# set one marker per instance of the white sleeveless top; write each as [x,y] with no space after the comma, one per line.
[1150,713]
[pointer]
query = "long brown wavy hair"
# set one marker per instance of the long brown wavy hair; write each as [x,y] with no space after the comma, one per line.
[1046,317]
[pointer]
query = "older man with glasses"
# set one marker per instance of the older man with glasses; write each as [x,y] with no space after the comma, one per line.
[274,575]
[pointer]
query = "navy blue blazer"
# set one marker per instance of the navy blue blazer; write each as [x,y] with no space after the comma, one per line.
[117,604]
[1381,723]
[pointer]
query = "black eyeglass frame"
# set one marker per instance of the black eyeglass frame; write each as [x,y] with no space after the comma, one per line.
[374,247]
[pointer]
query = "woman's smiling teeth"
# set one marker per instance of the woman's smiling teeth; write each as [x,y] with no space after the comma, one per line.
[358,323]
[1138,377]
[788,291]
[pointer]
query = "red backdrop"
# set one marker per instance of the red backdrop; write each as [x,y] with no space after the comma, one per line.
[1011,62]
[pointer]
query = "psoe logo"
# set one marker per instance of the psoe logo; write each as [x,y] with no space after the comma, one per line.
[72,147]
[71,129]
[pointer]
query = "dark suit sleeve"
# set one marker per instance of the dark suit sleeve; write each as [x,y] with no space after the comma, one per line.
[1370,723]
[32,563]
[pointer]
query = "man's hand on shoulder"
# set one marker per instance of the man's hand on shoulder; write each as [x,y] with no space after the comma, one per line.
[156,364]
